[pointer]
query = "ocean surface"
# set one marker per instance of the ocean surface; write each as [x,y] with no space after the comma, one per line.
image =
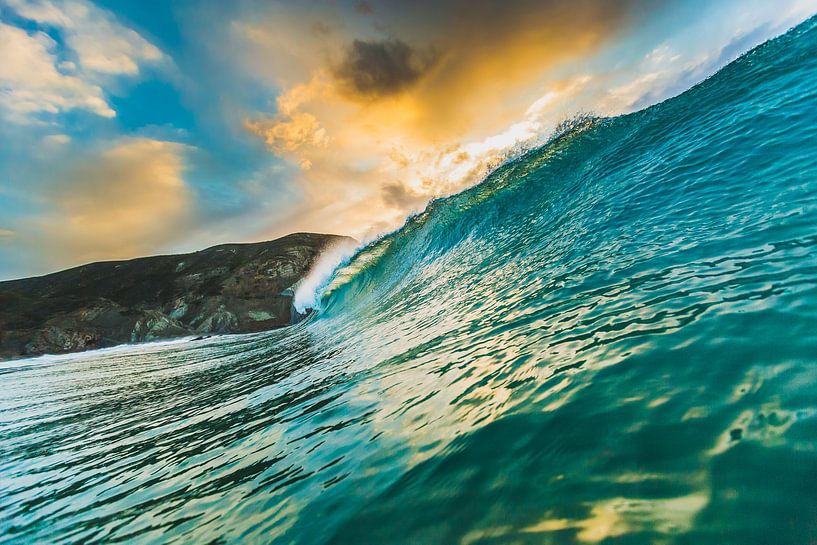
[612,339]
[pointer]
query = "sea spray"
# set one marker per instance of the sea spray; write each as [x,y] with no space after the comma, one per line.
[308,291]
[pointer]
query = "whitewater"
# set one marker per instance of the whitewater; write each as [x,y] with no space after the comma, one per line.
[611,339]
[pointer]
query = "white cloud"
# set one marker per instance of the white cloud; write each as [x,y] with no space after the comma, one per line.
[35,75]
[31,83]
[101,43]
[697,52]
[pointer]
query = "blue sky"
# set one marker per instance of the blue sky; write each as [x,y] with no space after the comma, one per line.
[131,128]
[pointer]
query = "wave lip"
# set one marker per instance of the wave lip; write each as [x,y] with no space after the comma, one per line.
[309,289]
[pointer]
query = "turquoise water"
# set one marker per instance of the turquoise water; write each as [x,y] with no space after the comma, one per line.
[613,339]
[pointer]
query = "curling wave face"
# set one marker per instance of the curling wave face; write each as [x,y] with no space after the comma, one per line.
[612,339]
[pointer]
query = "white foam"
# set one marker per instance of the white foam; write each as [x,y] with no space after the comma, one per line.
[309,290]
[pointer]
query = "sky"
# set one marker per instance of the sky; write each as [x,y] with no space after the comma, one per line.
[132,128]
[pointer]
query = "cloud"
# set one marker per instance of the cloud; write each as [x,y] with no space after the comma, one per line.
[364,8]
[411,102]
[126,200]
[493,59]
[286,134]
[372,69]
[664,72]
[40,76]
[101,43]
[31,83]
[403,198]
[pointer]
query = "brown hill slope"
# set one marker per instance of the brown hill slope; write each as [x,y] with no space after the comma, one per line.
[230,288]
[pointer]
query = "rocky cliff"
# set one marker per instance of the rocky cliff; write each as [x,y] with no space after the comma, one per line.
[230,288]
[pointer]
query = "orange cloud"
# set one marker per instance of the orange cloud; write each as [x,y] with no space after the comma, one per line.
[289,134]
[127,200]
[400,105]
